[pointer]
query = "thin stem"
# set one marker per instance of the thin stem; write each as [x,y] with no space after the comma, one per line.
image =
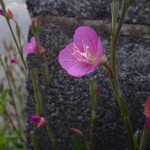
[91,135]
[51,138]
[128,125]
[13,125]
[11,95]
[114,38]
[121,103]
[16,43]
[46,77]
[13,101]
[34,141]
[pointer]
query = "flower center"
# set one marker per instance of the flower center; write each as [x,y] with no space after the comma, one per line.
[87,56]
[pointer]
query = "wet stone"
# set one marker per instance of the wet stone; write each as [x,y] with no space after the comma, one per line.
[68,103]
[138,12]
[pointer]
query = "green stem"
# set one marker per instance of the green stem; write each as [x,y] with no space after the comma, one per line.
[46,77]
[21,55]
[13,101]
[91,135]
[34,141]
[144,138]
[122,105]
[11,95]
[13,125]
[51,138]
[114,37]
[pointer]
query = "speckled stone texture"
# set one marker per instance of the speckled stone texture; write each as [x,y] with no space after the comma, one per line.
[138,12]
[68,103]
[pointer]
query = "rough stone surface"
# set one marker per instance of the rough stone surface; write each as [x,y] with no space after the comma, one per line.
[138,12]
[68,103]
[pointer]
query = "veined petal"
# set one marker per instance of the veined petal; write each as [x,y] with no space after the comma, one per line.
[86,35]
[66,58]
[29,48]
[80,69]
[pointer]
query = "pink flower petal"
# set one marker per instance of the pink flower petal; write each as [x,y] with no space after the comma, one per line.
[83,55]
[88,35]
[35,119]
[29,48]
[147,123]
[66,58]
[147,107]
[80,69]
[33,41]
[14,60]
[1,12]
[42,122]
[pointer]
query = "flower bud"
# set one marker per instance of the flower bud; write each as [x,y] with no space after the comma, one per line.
[76,132]
[40,121]
[14,60]
[10,14]
[147,112]
[1,12]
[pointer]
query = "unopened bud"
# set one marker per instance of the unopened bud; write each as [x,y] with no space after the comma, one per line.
[10,14]
[76,132]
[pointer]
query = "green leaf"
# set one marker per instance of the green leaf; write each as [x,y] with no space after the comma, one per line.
[135,139]
[78,145]
[3,141]
[18,32]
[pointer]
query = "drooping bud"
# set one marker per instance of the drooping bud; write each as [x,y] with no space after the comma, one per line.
[1,12]
[14,60]
[10,14]
[40,121]
[76,132]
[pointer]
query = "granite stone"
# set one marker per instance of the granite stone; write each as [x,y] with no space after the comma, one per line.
[138,12]
[68,103]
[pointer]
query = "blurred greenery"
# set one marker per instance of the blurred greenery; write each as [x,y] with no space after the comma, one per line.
[12,96]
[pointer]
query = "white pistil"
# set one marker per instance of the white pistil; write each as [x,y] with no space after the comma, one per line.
[85,56]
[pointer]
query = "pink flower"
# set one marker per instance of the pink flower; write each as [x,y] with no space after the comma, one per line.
[40,121]
[83,55]
[30,48]
[14,60]
[9,13]
[1,12]
[147,112]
